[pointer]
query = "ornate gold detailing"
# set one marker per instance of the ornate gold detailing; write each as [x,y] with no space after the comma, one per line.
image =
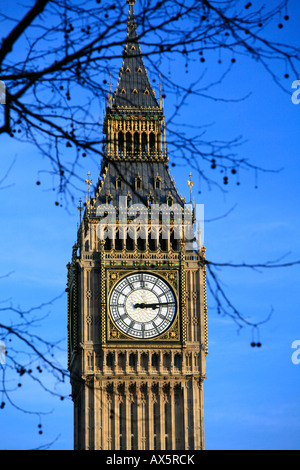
[172,335]
[88,294]
[122,129]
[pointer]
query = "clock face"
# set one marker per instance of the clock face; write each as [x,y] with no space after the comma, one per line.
[142,305]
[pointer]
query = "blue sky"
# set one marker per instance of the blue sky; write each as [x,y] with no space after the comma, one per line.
[251,395]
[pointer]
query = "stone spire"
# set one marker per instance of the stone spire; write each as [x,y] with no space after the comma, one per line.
[133,90]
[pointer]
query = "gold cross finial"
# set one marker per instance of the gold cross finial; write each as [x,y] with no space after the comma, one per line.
[191,184]
[88,182]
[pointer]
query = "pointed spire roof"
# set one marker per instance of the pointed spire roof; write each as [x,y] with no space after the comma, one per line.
[133,89]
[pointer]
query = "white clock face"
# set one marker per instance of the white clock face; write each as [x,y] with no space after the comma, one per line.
[142,305]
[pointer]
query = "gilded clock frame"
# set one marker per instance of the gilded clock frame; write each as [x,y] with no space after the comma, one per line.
[173,335]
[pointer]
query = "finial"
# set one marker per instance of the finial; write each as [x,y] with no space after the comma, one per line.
[110,93]
[131,3]
[191,184]
[88,182]
[80,208]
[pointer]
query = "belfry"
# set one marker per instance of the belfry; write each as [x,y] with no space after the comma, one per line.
[137,317]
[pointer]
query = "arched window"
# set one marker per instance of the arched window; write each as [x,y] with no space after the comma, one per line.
[144,360]
[132,360]
[136,142]
[174,242]
[150,200]
[119,182]
[163,242]
[128,142]
[144,142]
[154,360]
[152,142]
[108,244]
[121,142]
[129,199]
[177,360]
[170,201]
[138,182]
[109,360]
[129,244]
[157,182]
[109,199]
[141,244]
[166,360]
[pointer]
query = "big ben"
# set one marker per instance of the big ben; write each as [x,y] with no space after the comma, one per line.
[137,318]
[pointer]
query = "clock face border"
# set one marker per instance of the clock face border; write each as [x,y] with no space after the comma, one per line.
[171,279]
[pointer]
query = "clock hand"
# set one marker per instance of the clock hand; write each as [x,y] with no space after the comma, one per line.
[153,306]
[143,305]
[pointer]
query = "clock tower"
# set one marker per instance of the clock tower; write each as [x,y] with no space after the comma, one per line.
[137,319]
